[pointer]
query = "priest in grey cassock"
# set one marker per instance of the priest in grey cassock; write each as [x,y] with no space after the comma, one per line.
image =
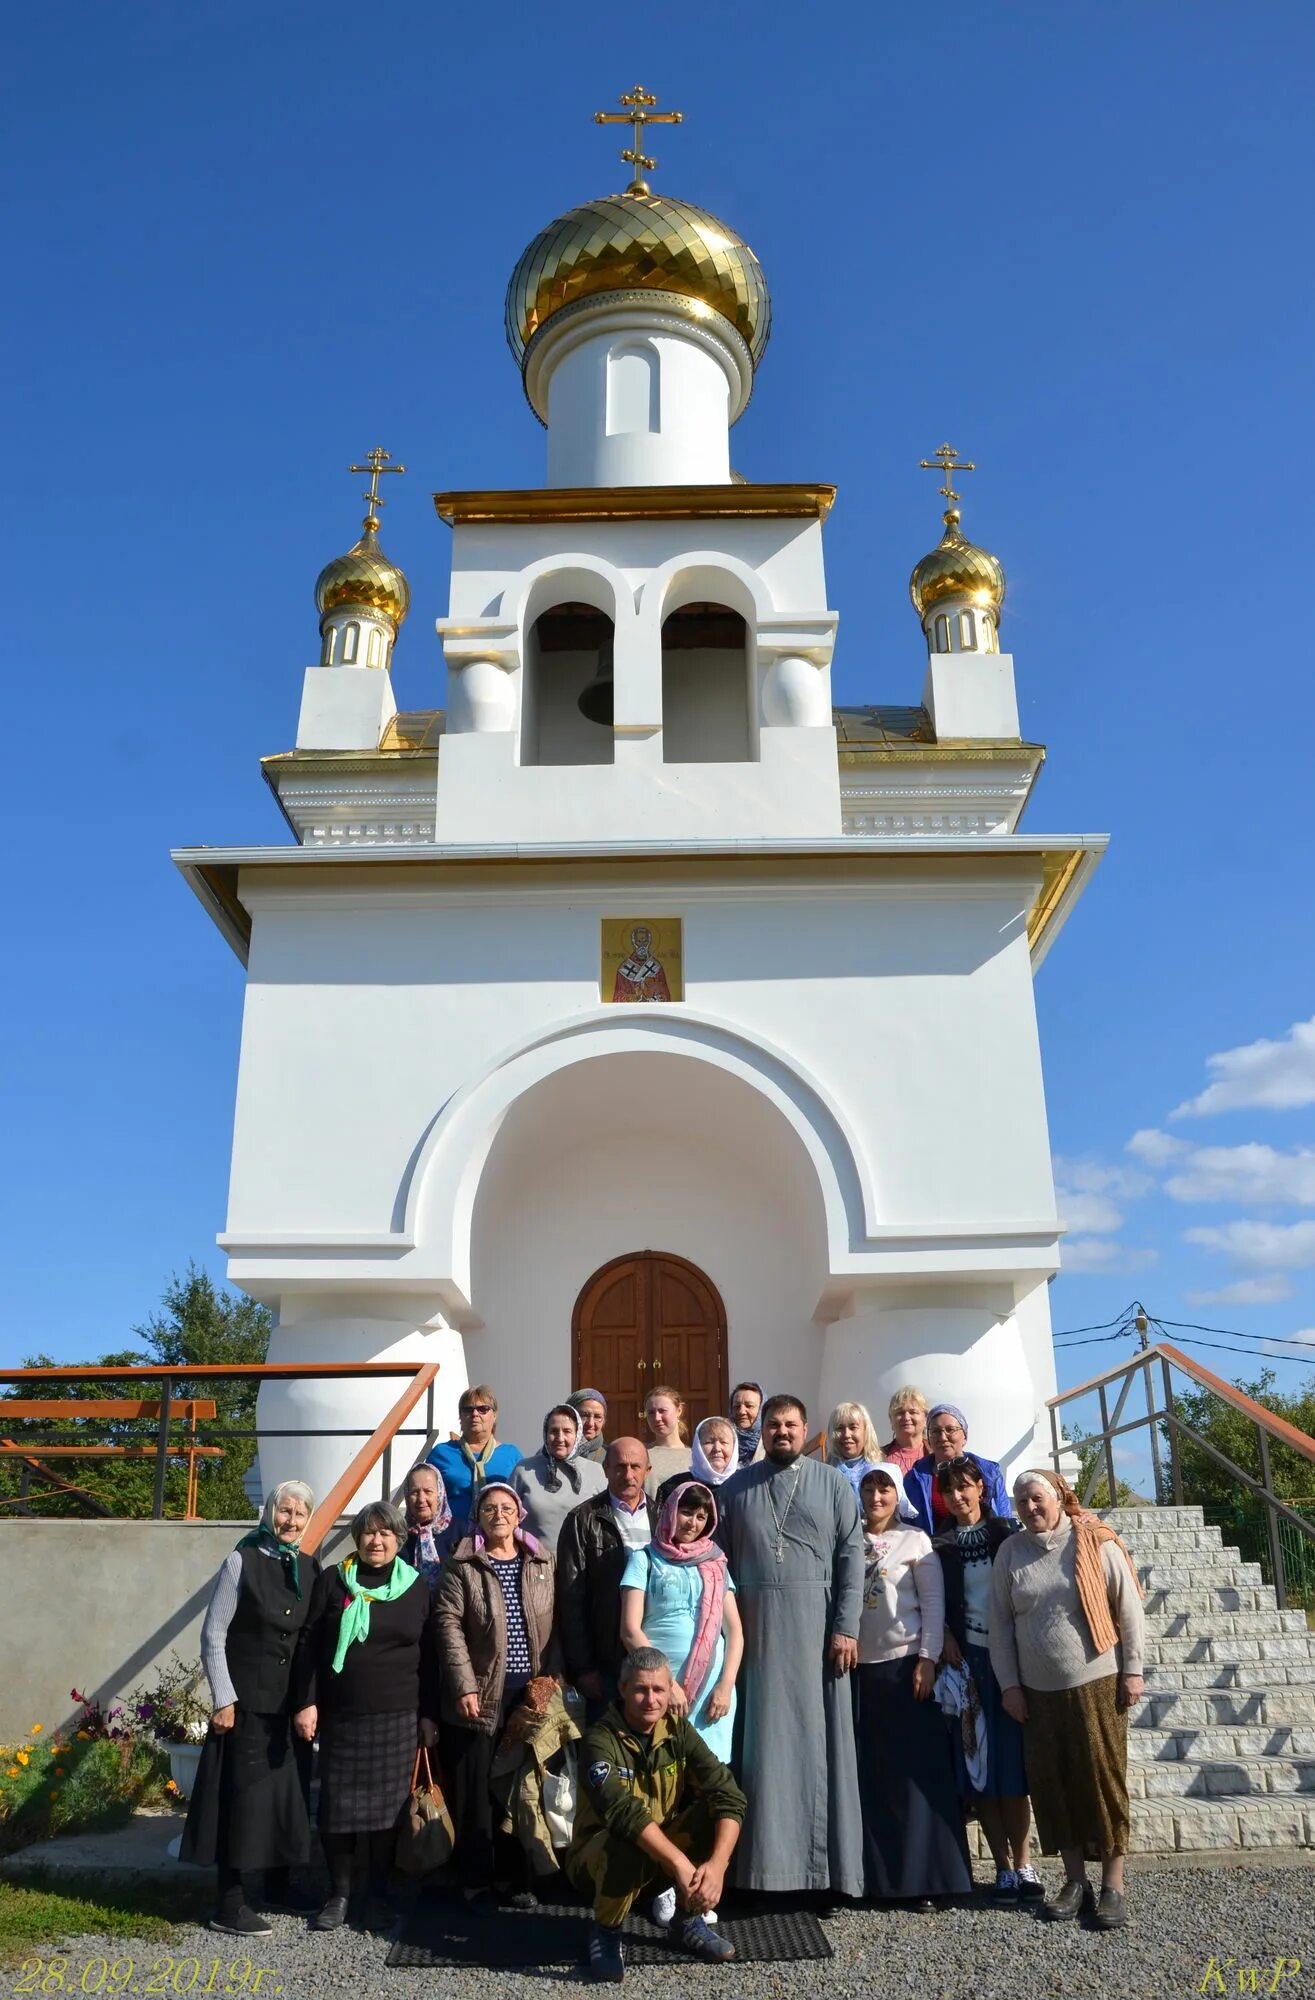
[794,1536]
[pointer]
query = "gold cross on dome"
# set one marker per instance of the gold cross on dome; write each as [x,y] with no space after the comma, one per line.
[638,115]
[945,460]
[376,463]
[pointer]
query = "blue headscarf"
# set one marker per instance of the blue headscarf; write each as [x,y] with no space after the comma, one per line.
[747,1440]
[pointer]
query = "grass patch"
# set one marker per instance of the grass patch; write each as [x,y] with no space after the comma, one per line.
[34,1917]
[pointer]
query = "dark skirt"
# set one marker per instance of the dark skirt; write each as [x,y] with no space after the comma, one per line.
[1006,1771]
[250,1805]
[913,1831]
[366,1763]
[1076,1740]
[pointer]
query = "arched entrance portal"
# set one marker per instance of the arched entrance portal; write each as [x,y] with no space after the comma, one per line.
[648,1318]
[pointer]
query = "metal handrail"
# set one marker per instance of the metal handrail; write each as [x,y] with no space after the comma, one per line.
[420,1377]
[1159,1414]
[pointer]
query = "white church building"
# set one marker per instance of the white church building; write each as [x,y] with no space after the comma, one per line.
[639,1016]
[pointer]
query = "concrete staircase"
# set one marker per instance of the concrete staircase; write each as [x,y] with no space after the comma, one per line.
[1221,1750]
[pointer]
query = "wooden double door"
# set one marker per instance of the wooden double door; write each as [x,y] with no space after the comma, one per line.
[645,1319]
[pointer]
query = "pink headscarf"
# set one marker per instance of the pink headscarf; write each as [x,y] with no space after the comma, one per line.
[524,1539]
[711,1563]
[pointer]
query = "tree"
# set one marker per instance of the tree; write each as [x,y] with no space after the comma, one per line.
[1230,1505]
[196,1324]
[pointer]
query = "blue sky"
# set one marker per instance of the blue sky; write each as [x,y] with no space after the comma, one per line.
[249,242]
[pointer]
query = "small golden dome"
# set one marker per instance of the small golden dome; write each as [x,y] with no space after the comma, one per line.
[364,576]
[956,567]
[638,242]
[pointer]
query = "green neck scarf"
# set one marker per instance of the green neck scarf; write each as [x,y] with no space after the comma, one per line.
[355,1622]
[265,1538]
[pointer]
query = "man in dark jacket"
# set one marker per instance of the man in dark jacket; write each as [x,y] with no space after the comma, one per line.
[592,1552]
[656,1807]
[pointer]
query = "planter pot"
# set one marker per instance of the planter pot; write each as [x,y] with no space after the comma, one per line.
[184,1759]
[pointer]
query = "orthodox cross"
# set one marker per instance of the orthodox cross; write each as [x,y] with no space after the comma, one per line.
[376,462]
[945,460]
[637,115]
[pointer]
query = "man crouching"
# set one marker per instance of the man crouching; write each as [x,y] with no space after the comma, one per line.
[655,1807]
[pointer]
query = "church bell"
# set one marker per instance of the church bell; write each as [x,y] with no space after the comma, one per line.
[596,703]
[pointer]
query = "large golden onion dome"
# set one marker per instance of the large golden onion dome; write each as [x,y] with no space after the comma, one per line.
[364,576]
[638,242]
[956,567]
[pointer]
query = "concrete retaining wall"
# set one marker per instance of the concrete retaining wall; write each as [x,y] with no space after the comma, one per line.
[96,1605]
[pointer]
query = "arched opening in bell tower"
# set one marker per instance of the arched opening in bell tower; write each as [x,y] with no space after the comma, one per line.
[705,686]
[568,655]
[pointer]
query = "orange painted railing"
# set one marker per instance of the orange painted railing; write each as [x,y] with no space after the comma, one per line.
[377,1450]
[1162,1421]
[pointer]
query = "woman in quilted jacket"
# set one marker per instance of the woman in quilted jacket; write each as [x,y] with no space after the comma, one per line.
[494,1615]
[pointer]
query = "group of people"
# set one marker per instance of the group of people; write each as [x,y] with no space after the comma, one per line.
[796,1672]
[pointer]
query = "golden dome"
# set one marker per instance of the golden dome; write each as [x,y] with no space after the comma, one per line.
[956,567]
[364,576]
[638,242]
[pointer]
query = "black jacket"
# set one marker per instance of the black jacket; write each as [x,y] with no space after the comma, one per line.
[262,1633]
[947,1548]
[591,1557]
[395,1667]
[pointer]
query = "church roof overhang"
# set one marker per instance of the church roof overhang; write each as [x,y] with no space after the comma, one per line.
[1061,866]
[738,500]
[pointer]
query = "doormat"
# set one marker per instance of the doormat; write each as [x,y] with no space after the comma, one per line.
[446,1934]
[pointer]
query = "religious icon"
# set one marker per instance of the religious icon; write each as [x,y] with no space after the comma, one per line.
[642,959]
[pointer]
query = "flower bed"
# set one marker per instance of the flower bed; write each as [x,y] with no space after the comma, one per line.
[87,1779]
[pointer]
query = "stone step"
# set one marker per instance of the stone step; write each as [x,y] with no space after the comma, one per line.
[1225,1674]
[1167,1746]
[1213,1778]
[1171,1624]
[1200,1598]
[1155,1518]
[1224,1708]
[1219,1572]
[1163,1648]
[1194,1826]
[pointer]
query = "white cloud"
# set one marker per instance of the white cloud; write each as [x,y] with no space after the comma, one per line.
[1094,1253]
[1283,1352]
[1275,1075]
[1156,1148]
[1244,1174]
[1261,1246]
[1245,1292]
[1088,1194]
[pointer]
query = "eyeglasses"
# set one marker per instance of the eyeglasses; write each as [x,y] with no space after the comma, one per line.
[477,1409]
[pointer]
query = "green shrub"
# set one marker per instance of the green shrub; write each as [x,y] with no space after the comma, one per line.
[84,1783]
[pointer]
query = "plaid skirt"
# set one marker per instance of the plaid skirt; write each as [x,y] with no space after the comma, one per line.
[365,1770]
[1075,1741]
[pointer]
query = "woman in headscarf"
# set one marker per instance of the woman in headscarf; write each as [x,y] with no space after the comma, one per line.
[678,1595]
[747,1417]
[364,1679]
[430,1528]
[592,1405]
[552,1481]
[913,1837]
[907,1410]
[851,1442]
[995,1789]
[249,1806]
[494,1619]
[668,1451]
[947,1438]
[1067,1639]
[713,1458]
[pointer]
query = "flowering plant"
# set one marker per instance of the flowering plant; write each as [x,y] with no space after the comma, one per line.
[170,1709]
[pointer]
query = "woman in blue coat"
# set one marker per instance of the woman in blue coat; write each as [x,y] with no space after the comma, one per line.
[947,1438]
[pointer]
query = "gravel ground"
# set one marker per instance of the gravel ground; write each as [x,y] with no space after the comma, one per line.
[1183,1921]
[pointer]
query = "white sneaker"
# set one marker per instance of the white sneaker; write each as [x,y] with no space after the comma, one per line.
[664,1907]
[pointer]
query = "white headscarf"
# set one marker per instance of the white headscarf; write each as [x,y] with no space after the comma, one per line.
[699,1467]
[904,1507]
